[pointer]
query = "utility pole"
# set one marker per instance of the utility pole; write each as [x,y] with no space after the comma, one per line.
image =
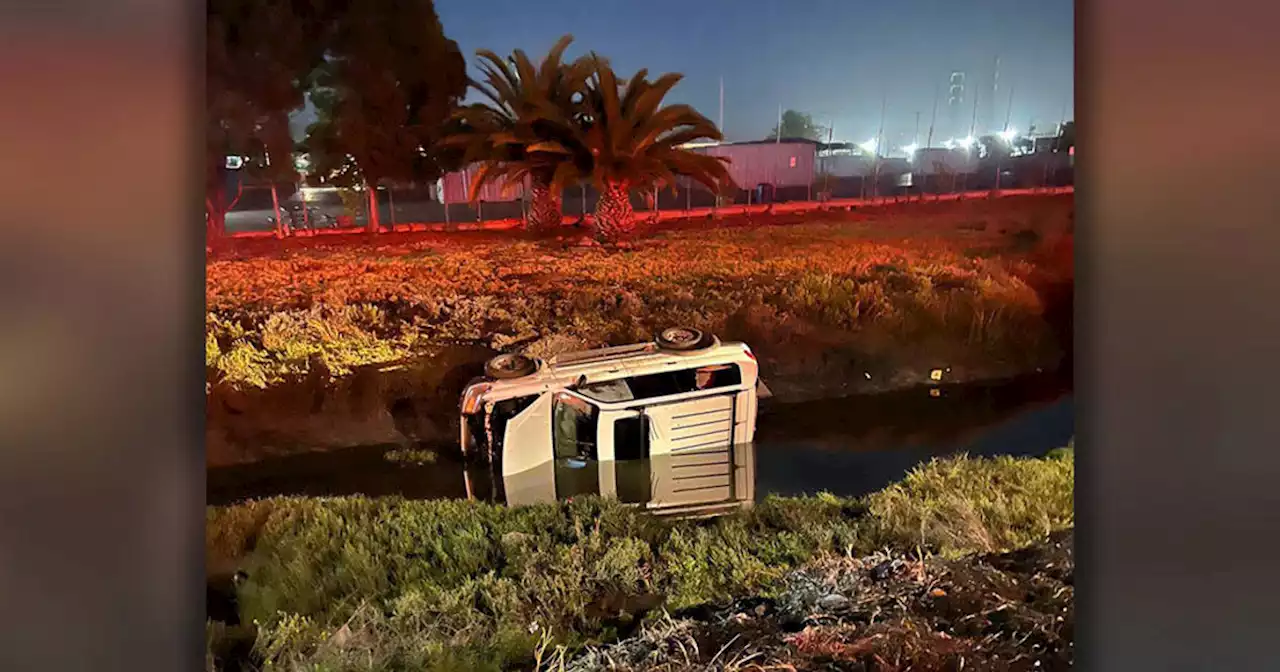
[933,118]
[1062,120]
[826,171]
[995,92]
[875,187]
[973,123]
[911,157]
[778,134]
[721,124]
[1008,112]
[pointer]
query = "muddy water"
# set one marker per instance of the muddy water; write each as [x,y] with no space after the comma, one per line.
[847,446]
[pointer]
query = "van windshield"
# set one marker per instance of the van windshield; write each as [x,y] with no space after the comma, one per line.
[608,391]
[574,428]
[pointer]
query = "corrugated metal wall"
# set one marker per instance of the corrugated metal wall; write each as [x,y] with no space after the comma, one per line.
[457,184]
[784,164]
[846,165]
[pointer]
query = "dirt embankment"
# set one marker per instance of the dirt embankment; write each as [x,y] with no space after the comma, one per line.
[416,402]
[1013,611]
[317,349]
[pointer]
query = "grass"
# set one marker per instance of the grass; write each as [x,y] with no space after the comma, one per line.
[380,584]
[410,456]
[923,273]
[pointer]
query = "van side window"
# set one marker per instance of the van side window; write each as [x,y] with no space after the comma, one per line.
[573,428]
[631,438]
[686,380]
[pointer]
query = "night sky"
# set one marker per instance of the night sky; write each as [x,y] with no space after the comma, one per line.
[835,59]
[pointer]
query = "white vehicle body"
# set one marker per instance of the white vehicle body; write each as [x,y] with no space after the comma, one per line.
[685,415]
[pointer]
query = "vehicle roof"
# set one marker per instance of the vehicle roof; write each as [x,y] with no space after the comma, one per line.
[613,363]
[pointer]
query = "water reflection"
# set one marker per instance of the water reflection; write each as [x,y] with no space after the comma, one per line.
[693,482]
[848,447]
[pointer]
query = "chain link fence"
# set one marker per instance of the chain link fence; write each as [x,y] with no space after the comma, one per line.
[306,211]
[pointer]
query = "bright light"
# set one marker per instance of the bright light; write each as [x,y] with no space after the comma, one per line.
[949,143]
[313,193]
[911,148]
[967,142]
[1009,134]
[868,146]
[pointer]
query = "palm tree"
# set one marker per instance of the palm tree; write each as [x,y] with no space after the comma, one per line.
[527,128]
[632,140]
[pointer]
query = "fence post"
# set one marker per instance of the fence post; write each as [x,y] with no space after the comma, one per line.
[275,204]
[391,206]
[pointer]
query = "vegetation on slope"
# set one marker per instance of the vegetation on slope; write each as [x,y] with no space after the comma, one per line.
[357,583]
[875,286]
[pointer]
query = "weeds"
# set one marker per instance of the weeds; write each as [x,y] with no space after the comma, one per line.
[358,583]
[411,456]
[899,281]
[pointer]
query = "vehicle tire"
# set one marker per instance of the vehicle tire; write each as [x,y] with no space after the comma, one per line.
[508,366]
[684,339]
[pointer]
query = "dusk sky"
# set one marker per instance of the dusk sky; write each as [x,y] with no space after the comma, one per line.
[834,59]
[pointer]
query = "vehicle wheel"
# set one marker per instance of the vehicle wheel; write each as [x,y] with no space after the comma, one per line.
[505,367]
[684,339]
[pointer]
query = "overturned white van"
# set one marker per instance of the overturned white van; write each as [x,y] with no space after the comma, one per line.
[683,401]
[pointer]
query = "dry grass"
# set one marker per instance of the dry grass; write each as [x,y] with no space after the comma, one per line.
[901,277]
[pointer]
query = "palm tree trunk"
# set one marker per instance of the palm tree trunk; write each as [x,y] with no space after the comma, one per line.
[614,216]
[545,208]
[215,226]
[374,224]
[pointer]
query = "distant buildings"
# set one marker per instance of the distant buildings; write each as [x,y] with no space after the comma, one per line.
[789,163]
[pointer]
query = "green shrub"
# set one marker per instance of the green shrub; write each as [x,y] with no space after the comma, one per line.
[359,583]
[956,506]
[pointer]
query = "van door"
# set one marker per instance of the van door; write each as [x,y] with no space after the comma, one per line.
[624,454]
[575,435]
[526,443]
[527,470]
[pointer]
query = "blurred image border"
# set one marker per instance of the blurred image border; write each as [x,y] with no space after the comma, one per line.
[102,406]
